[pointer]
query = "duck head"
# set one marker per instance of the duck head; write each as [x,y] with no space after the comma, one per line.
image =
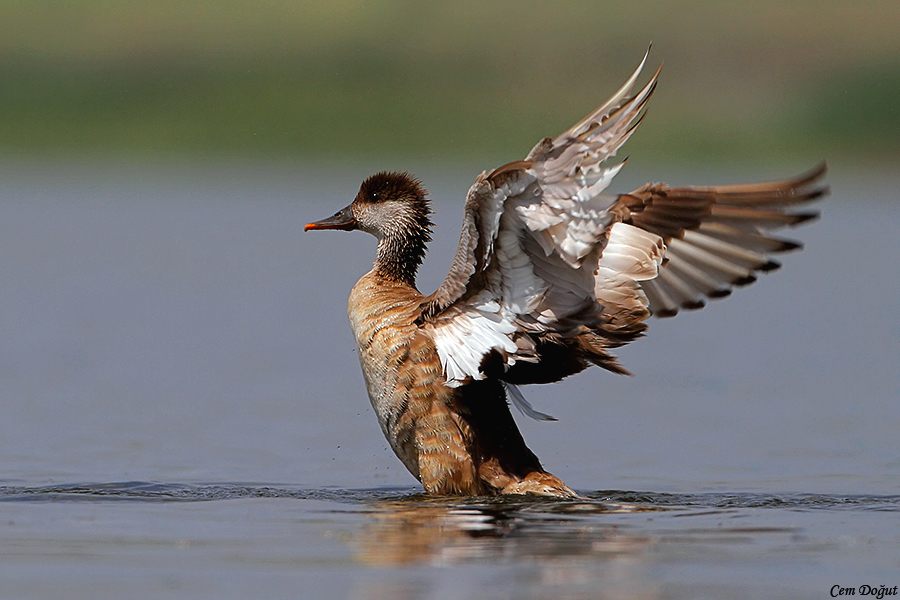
[394,208]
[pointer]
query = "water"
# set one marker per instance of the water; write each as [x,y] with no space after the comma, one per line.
[183,413]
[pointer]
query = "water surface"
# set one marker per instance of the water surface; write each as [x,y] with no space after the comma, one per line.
[183,413]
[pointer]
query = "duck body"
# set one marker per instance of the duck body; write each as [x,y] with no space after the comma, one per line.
[455,440]
[551,273]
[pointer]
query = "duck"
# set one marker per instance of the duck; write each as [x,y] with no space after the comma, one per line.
[552,272]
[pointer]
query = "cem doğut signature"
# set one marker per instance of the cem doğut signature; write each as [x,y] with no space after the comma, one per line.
[878,592]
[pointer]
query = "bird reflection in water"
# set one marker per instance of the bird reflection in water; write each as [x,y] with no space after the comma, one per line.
[562,542]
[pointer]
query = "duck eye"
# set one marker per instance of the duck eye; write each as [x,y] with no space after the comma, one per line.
[373,196]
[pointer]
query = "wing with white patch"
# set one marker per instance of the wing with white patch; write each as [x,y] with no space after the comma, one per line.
[551,271]
[526,268]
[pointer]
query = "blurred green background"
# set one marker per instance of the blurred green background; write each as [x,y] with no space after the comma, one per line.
[480,80]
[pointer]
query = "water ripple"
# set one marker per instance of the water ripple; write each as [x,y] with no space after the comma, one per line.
[598,501]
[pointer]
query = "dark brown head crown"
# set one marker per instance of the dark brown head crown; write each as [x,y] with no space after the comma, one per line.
[388,185]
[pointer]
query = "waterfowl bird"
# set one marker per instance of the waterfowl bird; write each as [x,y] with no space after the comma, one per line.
[550,274]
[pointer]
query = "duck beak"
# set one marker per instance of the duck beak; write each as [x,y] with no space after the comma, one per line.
[343,219]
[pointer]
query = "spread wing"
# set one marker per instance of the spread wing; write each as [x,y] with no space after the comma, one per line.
[533,234]
[551,271]
[716,237]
